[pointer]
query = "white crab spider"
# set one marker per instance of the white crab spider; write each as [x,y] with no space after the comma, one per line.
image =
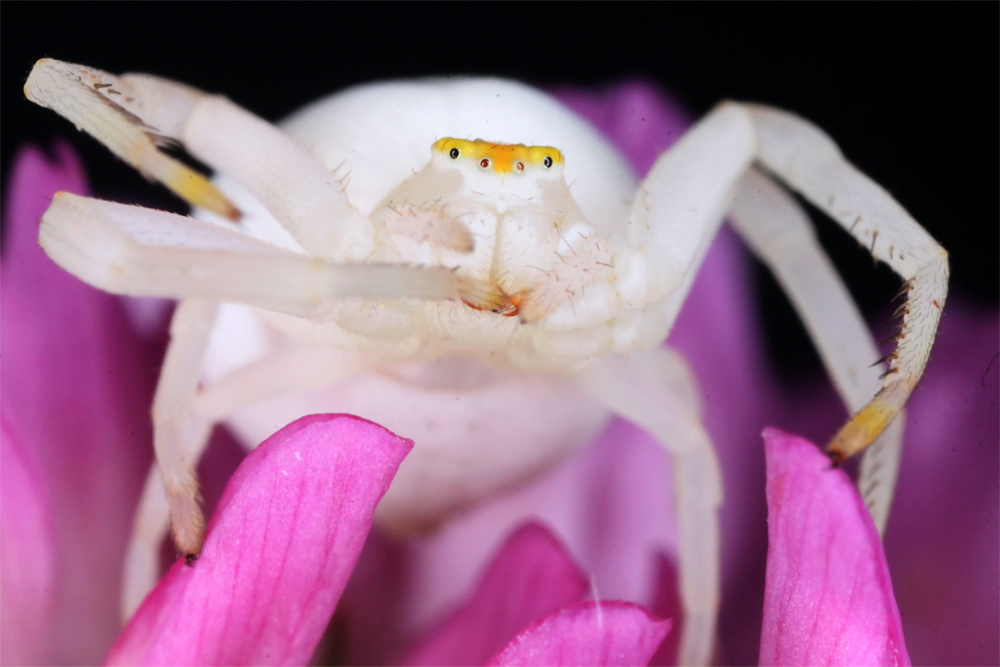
[363,278]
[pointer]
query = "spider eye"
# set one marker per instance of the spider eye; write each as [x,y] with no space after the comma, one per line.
[547,162]
[519,166]
[454,153]
[484,163]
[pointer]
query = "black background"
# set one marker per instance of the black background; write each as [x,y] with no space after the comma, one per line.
[910,92]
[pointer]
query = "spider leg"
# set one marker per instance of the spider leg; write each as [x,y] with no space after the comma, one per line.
[808,161]
[780,233]
[132,113]
[679,208]
[179,436]
[288,370]
[654,390]
[140,252]
[103,105]
[184,417]
[142,557]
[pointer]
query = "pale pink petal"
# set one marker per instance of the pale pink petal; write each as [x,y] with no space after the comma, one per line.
[610,504]
[531,577]
[27,554]
[588,633]
[77,386]
[828,597]
[280,548]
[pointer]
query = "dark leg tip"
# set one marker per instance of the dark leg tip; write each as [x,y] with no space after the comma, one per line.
[189,559]
[836,458]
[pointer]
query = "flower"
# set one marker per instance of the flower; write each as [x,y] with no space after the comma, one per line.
[290,527]
[78,385]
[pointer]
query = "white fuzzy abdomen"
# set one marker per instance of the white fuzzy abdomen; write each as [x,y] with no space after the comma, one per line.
[476,430]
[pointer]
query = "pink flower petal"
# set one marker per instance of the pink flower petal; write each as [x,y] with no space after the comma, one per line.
[77,386]
[280,548]
[828,597]
[667,604]
[588,633]
[531,577]
[27,554]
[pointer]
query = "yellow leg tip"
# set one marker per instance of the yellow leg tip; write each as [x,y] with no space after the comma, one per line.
[197,190]
[868,423]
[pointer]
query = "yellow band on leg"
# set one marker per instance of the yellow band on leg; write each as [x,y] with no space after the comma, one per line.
[869,422]
[197,190]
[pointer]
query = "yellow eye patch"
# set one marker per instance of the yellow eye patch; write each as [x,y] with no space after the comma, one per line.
[503,158]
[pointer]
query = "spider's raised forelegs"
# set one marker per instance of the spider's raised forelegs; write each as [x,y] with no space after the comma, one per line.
[807,160]
[132,113]
[690,188]
[141,252]
[117,114]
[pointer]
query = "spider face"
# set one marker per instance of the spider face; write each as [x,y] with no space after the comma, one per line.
[498,213]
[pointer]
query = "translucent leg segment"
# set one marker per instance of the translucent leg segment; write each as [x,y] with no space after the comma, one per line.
[653,389]
[780,233]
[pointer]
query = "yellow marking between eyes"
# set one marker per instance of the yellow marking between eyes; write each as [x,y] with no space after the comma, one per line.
[502,158]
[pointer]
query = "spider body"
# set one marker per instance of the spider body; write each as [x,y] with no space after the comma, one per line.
[495,300]
[478,388]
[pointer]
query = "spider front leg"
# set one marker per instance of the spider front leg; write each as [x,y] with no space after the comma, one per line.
[780,233]
[140,252]
[679,207]
[130,114]
[808,160]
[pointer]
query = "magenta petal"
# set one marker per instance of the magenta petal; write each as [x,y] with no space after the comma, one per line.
[27,554]
[667,604]
[828,597]
[280,548]
[531,577]
[77,386]
[588,633]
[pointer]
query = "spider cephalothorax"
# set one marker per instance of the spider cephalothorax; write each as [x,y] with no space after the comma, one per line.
[503,215]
